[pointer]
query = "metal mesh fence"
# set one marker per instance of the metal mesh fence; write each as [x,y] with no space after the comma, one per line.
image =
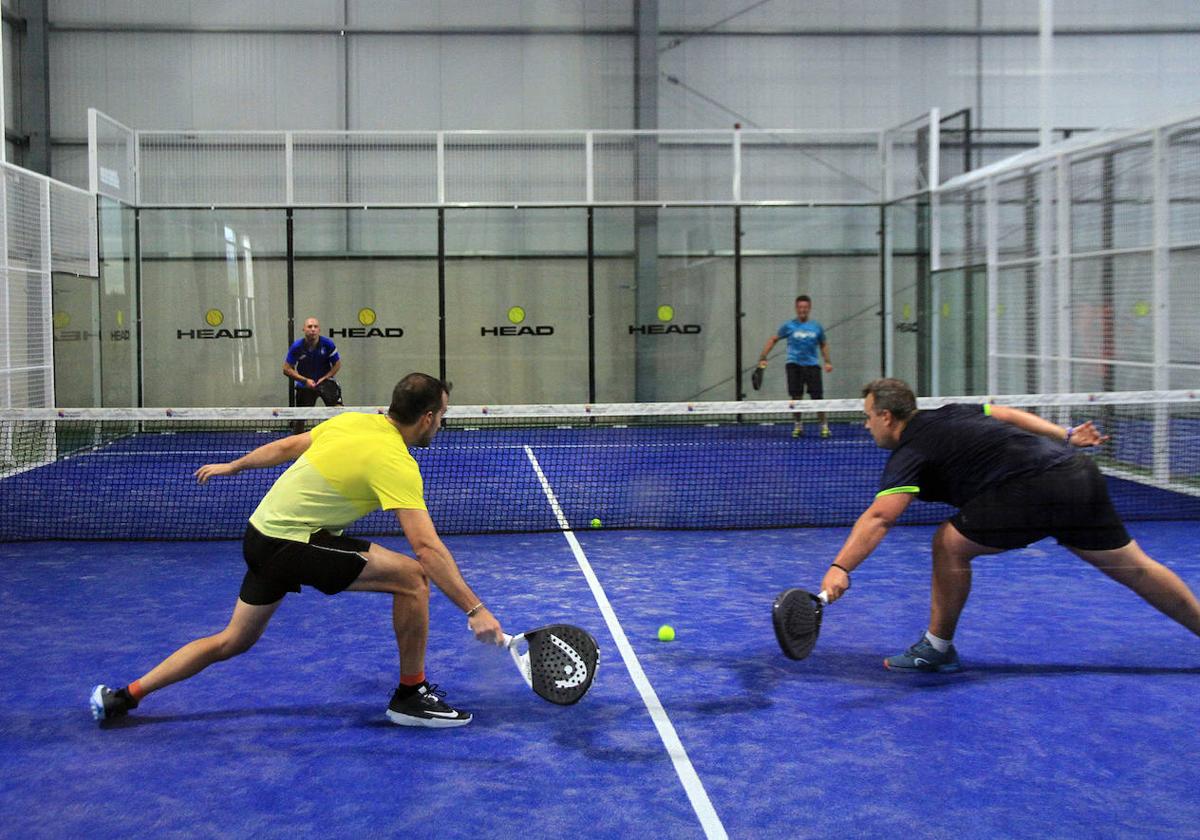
[1088,248]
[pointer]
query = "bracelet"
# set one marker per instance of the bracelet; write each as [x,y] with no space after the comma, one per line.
[843,568]
[471,612]
[1070,431]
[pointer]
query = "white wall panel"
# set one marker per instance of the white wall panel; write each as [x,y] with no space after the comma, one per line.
[197,12]
[260,81]
[1110,13]
[428,14]
[816,14]
[212,81]
[395,82]
[1098,81]
[827,82]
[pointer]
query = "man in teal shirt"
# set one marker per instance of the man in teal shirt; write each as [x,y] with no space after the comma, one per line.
[804,339]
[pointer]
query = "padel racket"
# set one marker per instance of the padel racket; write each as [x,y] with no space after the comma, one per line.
[756,378]
[330,392]
[559,661]
[797,618]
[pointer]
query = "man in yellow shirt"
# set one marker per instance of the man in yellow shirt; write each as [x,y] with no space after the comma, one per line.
[345,468]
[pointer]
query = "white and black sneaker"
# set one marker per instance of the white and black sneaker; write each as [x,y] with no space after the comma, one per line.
[107,703]
[424,706]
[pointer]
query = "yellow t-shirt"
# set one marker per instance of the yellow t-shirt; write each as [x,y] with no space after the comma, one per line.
[357,464]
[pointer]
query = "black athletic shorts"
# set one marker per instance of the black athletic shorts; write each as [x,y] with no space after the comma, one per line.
[1069,502]
[276,567]
[804,376]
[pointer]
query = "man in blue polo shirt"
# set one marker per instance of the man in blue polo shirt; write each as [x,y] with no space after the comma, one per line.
[313,362]
[1015,478]
[804,339]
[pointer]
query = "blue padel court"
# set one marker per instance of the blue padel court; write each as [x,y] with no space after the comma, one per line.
[1075,714]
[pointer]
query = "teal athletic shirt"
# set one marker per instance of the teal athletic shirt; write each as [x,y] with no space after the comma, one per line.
[804,340]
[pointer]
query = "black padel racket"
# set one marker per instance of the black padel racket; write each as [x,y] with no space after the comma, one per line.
[756,378]
[797,618]
[559,661]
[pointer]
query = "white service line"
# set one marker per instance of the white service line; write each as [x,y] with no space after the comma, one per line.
[692,785]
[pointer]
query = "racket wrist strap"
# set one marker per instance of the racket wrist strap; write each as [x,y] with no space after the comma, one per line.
[471,612]
[1070,431]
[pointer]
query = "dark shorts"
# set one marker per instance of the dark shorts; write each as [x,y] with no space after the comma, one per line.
[801,377]
[1069,502]
[276,567]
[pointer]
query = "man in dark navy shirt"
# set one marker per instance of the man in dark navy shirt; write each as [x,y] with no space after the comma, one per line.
[1015,479]
[312,361]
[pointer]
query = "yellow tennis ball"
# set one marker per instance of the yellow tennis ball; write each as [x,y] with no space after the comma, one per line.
[595,523]
[666,633]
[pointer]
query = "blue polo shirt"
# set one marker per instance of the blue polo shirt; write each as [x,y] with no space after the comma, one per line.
[804,340]
[954,453]
[313,363]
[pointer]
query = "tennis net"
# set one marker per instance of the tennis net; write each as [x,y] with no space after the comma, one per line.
[127,473]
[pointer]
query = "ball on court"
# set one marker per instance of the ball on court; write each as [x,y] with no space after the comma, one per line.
[595,523]
[666,633]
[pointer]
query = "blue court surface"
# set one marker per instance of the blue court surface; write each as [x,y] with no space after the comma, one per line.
[1076,714]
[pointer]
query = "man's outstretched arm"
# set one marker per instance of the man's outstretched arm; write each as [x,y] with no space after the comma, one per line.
[268,455]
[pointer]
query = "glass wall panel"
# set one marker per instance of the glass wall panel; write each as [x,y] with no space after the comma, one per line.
[76,319]
[830,254]
[516,305]
[616,304]
[684,335]
[959,332]
[118,305]
[371,278]
[214,307]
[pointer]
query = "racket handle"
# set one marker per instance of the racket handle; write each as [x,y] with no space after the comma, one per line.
[823,597]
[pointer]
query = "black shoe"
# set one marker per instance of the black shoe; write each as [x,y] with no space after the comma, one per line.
[424,707]
[107,703]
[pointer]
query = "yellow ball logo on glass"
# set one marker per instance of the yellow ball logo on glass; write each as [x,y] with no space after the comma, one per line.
[61,320]
[366,316]
[666,312]
[120,317]
[214,317]
[516,314]
[1141,309]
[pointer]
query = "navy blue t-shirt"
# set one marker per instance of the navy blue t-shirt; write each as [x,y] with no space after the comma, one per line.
[954,453]
[312,363]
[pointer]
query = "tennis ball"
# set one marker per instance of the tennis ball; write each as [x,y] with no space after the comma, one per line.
[595,523]
[666,633]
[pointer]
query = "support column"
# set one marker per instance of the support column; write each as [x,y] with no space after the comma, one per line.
[645,243]
[35,85]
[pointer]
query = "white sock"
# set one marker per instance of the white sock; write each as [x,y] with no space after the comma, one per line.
[940,645]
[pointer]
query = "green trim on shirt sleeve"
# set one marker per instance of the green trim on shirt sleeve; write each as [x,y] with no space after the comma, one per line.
[893,491]
[987,409]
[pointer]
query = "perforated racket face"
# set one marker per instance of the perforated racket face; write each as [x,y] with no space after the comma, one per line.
[797,619]
[562,661]
[330,391]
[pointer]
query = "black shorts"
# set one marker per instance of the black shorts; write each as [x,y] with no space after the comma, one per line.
[804,376]
[1069,502]
[276,567]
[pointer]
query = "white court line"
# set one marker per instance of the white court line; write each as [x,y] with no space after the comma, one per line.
[692,785]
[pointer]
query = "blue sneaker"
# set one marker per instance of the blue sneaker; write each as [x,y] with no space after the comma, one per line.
[924,657]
